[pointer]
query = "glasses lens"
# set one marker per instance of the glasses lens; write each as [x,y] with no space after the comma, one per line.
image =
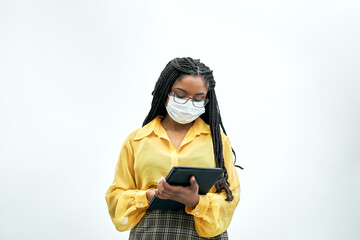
[199,104]
[180,100]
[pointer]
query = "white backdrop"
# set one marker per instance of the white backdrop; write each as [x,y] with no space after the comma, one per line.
[77,76]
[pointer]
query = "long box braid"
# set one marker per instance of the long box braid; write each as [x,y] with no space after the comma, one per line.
[173,71]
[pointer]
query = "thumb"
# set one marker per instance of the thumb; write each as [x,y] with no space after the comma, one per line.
[193,182]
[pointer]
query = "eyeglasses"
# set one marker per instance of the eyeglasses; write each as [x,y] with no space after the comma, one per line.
[182,99]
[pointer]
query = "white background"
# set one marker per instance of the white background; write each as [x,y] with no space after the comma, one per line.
[76,78]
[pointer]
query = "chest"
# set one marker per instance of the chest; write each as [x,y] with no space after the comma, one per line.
[176,138]
[162,154]
[155,156]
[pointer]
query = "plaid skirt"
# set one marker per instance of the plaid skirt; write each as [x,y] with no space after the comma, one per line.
[168,224]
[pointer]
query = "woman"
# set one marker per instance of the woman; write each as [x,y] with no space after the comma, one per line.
[182,128]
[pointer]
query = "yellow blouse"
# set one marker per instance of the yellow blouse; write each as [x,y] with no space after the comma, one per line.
[147,155]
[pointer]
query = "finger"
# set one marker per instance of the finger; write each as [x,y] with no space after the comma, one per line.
[169,188]
[149,194]
[161,195]
[193,183]
[157,193]
[166,185]
[173,190]
[160,183]
[160,188]
[161,180]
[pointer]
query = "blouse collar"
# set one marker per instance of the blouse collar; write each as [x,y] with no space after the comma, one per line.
[155,126]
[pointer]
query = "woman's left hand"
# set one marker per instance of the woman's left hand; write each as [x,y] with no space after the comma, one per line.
[186,195]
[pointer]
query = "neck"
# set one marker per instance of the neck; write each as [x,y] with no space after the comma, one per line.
[169,124]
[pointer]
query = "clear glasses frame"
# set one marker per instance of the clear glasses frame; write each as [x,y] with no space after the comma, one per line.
[182,100]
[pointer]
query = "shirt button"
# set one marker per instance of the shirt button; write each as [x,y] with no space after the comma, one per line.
[197,213]
[141,204]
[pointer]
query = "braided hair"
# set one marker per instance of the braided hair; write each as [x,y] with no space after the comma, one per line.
[175,70]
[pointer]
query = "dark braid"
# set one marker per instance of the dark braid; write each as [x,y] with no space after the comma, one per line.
[173,71]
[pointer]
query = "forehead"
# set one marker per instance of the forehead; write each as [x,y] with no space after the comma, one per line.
[191,84]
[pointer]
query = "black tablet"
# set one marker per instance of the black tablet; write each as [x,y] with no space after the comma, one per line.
[180,175]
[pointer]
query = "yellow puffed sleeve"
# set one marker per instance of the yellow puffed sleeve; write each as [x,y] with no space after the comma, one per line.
[213,214]
[126,204]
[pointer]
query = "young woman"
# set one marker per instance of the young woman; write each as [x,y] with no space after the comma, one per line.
[182,128]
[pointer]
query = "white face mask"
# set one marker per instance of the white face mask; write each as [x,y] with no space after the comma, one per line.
[183,113]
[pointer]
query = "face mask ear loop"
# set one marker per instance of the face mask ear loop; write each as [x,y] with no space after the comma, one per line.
[169,96]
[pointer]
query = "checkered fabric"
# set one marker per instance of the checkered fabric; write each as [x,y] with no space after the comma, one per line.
[168,224]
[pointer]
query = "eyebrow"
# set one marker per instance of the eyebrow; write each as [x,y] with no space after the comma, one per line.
[184,91]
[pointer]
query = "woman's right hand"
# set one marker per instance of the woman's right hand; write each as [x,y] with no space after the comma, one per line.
[186,195]
[150,193]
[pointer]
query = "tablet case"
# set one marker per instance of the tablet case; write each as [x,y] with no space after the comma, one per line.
[180,175]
